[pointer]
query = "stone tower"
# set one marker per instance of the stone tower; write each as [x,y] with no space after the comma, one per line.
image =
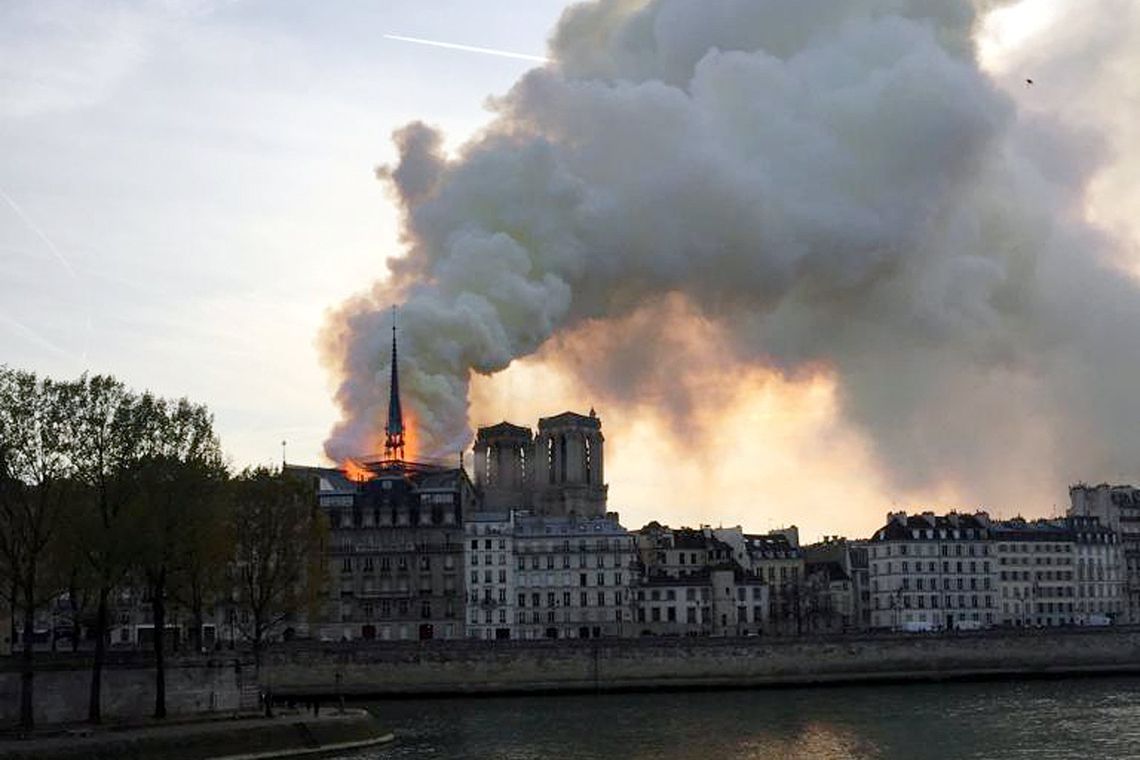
[504,466]
[569,475]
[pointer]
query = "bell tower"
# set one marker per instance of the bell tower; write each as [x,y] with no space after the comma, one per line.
[504,466]
[570,466]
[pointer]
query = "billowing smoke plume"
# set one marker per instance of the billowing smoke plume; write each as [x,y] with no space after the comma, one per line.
[835,185]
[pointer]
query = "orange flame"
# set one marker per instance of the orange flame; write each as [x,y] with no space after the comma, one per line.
[356,472]
[411,449]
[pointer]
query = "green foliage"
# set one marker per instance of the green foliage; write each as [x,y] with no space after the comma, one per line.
[100,487]
[35,486]
[278,531]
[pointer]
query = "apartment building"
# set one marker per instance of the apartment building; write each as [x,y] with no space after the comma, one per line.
[934,572]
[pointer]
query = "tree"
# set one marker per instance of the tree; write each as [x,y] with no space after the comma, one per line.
[109,428]
[180,471]
[207,548]
[72,569]
[278,531]
[35,483]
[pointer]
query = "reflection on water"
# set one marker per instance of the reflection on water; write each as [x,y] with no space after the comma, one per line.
[1043,720]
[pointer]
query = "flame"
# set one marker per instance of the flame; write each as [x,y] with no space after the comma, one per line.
[356,472]
[411,440]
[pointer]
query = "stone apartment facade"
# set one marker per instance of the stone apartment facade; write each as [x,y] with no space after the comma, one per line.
[1101,589]
[396,552]
[838,584]
[535,577]
[691,585]
[1059,572]
[574,577]
[1118,508]
[933,572]
[777,559]
[489,559]
[954,571]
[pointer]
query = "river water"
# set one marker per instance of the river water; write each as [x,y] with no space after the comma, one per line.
[1080,718]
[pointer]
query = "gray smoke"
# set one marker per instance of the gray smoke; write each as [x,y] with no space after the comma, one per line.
[835,185]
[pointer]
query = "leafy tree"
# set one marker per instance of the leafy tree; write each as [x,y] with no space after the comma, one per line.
[109,434]
[73,573]
[206,552]
[278,531]
[35,483]
[180,471]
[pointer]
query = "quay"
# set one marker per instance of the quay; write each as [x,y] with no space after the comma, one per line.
[600,665]
[288,734]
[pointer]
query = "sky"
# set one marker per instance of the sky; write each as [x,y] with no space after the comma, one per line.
[188,187]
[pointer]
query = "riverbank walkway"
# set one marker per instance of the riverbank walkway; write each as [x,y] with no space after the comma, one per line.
[288,734]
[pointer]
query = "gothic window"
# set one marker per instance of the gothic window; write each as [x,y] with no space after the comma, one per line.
[562,456]
[550,461]
[588,463]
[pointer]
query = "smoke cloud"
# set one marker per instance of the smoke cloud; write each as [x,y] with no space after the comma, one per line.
[832,187]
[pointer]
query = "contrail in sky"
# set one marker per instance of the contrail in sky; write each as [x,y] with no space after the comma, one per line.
[39,232]
[470,48]
[20,327]
[31,335]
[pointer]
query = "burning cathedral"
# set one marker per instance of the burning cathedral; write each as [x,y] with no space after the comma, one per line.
[399,559]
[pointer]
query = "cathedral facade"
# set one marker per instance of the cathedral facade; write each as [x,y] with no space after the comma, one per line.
[558,471]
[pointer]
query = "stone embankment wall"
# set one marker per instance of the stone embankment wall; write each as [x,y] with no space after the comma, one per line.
[379,669]
[194,685]
[222,685]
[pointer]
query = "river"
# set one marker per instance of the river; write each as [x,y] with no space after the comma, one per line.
[1080,718]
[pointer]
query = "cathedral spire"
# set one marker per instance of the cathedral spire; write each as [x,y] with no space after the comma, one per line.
[394,430]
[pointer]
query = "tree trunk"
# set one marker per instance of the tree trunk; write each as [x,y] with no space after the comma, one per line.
[73,600]
[196,623]
[95,703]
[27,672]
[158,604]
[257,647]
[14,622]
